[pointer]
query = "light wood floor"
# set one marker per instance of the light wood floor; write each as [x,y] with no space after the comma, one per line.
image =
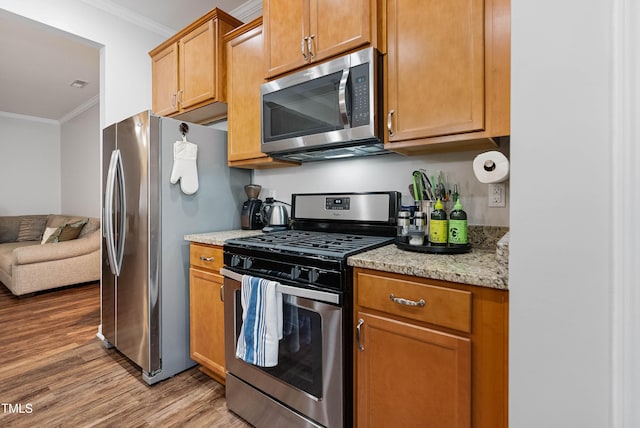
[54,372]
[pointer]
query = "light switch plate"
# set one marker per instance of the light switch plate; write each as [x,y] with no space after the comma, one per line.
[497,195]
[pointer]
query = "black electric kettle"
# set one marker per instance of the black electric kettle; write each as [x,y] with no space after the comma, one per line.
[274,215]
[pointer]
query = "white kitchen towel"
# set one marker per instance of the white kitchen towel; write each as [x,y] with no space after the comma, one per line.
[185,169]
[261,328]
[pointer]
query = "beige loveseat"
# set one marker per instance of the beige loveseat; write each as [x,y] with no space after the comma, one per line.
[27,265]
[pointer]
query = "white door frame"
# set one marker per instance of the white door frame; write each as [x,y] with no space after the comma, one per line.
[626,208]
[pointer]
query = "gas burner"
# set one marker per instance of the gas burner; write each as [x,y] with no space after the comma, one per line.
[327,244]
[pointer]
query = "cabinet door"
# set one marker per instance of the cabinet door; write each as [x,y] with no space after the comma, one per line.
[164,76]
[286,25]
[245,61]
[197,65]
[435,80]
[207,321]
[337,26]
[411,376]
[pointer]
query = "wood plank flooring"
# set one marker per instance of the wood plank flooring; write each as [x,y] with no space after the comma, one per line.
[54,372]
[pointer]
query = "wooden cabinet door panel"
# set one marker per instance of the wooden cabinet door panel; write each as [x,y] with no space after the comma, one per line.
[197,65]
[245,60]
[164,75]
[435,67]
[207,320]
[412,376]
[285,26]
[338,26]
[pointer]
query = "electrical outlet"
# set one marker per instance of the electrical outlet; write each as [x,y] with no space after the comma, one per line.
[497,195]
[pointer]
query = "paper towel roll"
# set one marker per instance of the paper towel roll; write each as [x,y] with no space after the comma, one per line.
[491,167]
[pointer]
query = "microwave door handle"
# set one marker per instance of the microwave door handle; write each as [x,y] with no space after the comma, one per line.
[342,98]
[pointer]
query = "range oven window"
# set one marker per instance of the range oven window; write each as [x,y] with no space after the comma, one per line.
[300,349]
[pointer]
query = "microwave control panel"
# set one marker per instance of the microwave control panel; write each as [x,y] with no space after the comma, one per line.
[360,108]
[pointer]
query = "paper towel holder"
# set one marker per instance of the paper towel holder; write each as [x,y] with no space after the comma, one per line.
[489,165]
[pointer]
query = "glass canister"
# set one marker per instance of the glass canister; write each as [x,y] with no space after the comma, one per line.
[404,224]
[416,232]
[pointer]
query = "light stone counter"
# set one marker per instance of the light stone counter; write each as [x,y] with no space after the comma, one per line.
[218,238]
[486,267]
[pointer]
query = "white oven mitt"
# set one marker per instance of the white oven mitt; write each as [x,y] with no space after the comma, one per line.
[185,169]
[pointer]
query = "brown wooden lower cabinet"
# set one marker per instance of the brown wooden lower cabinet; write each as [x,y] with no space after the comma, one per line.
[412,369]
[207,310]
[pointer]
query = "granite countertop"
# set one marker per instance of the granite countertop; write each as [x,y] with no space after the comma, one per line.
[486,265]
[218,238]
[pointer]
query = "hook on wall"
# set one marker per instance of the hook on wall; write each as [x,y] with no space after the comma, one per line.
[184,129]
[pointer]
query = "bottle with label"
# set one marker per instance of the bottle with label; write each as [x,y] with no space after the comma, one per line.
[438,225]
[458,226]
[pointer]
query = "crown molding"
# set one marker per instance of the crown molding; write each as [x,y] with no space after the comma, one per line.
[80,109]
[134,18]
[248,11]
[9,115]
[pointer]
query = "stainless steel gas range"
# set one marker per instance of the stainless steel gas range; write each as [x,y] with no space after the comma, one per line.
[311,385]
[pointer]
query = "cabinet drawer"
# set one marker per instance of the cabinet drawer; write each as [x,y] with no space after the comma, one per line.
[206,256]
[442,306]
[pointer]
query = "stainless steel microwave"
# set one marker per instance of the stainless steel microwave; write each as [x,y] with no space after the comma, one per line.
[331,110]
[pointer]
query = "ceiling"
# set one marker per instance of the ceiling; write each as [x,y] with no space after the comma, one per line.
[45,61]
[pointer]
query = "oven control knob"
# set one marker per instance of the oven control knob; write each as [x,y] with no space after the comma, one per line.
[235,260]
[247,263]
[313,275]
[295,272]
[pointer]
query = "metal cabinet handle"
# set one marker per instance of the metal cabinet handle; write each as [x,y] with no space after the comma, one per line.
[389,128]
[180,96]
[222,293]
[360,322]
[310,46]
[173,100]
[302,47]
[206,259]
[401,301]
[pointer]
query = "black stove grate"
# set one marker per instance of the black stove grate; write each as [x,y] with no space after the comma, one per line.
[336,245]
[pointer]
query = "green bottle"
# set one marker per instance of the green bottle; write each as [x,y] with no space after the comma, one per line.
[438,225]
[458,226]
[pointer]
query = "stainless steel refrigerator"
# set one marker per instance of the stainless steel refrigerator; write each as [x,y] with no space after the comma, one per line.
[145,259]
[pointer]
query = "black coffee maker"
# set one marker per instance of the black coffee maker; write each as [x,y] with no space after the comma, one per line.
[250,218]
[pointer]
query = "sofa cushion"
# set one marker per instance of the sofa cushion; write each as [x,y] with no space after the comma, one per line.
[51,235]
[71,231]
[31,228]
[9,226]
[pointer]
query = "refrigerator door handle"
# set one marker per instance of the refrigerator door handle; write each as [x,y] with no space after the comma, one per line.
[115,172]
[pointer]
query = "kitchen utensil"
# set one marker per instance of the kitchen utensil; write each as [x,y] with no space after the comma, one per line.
[274,215]
[250,218]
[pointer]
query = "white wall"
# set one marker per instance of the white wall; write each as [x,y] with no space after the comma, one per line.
[125,76]
[386,172]
[561,217]
[29,165]
[80,163]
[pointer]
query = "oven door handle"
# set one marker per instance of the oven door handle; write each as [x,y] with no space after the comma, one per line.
[304,293]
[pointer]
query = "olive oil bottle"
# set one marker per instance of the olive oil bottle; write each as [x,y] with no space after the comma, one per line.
[438,225]
[458,225]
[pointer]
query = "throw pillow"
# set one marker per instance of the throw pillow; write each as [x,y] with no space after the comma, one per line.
[72,230]
[51,235]
[31,229]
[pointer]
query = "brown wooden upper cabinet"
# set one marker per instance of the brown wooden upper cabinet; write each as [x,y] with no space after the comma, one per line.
[302,32]
[245,74]
[189,70]
[447,77]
